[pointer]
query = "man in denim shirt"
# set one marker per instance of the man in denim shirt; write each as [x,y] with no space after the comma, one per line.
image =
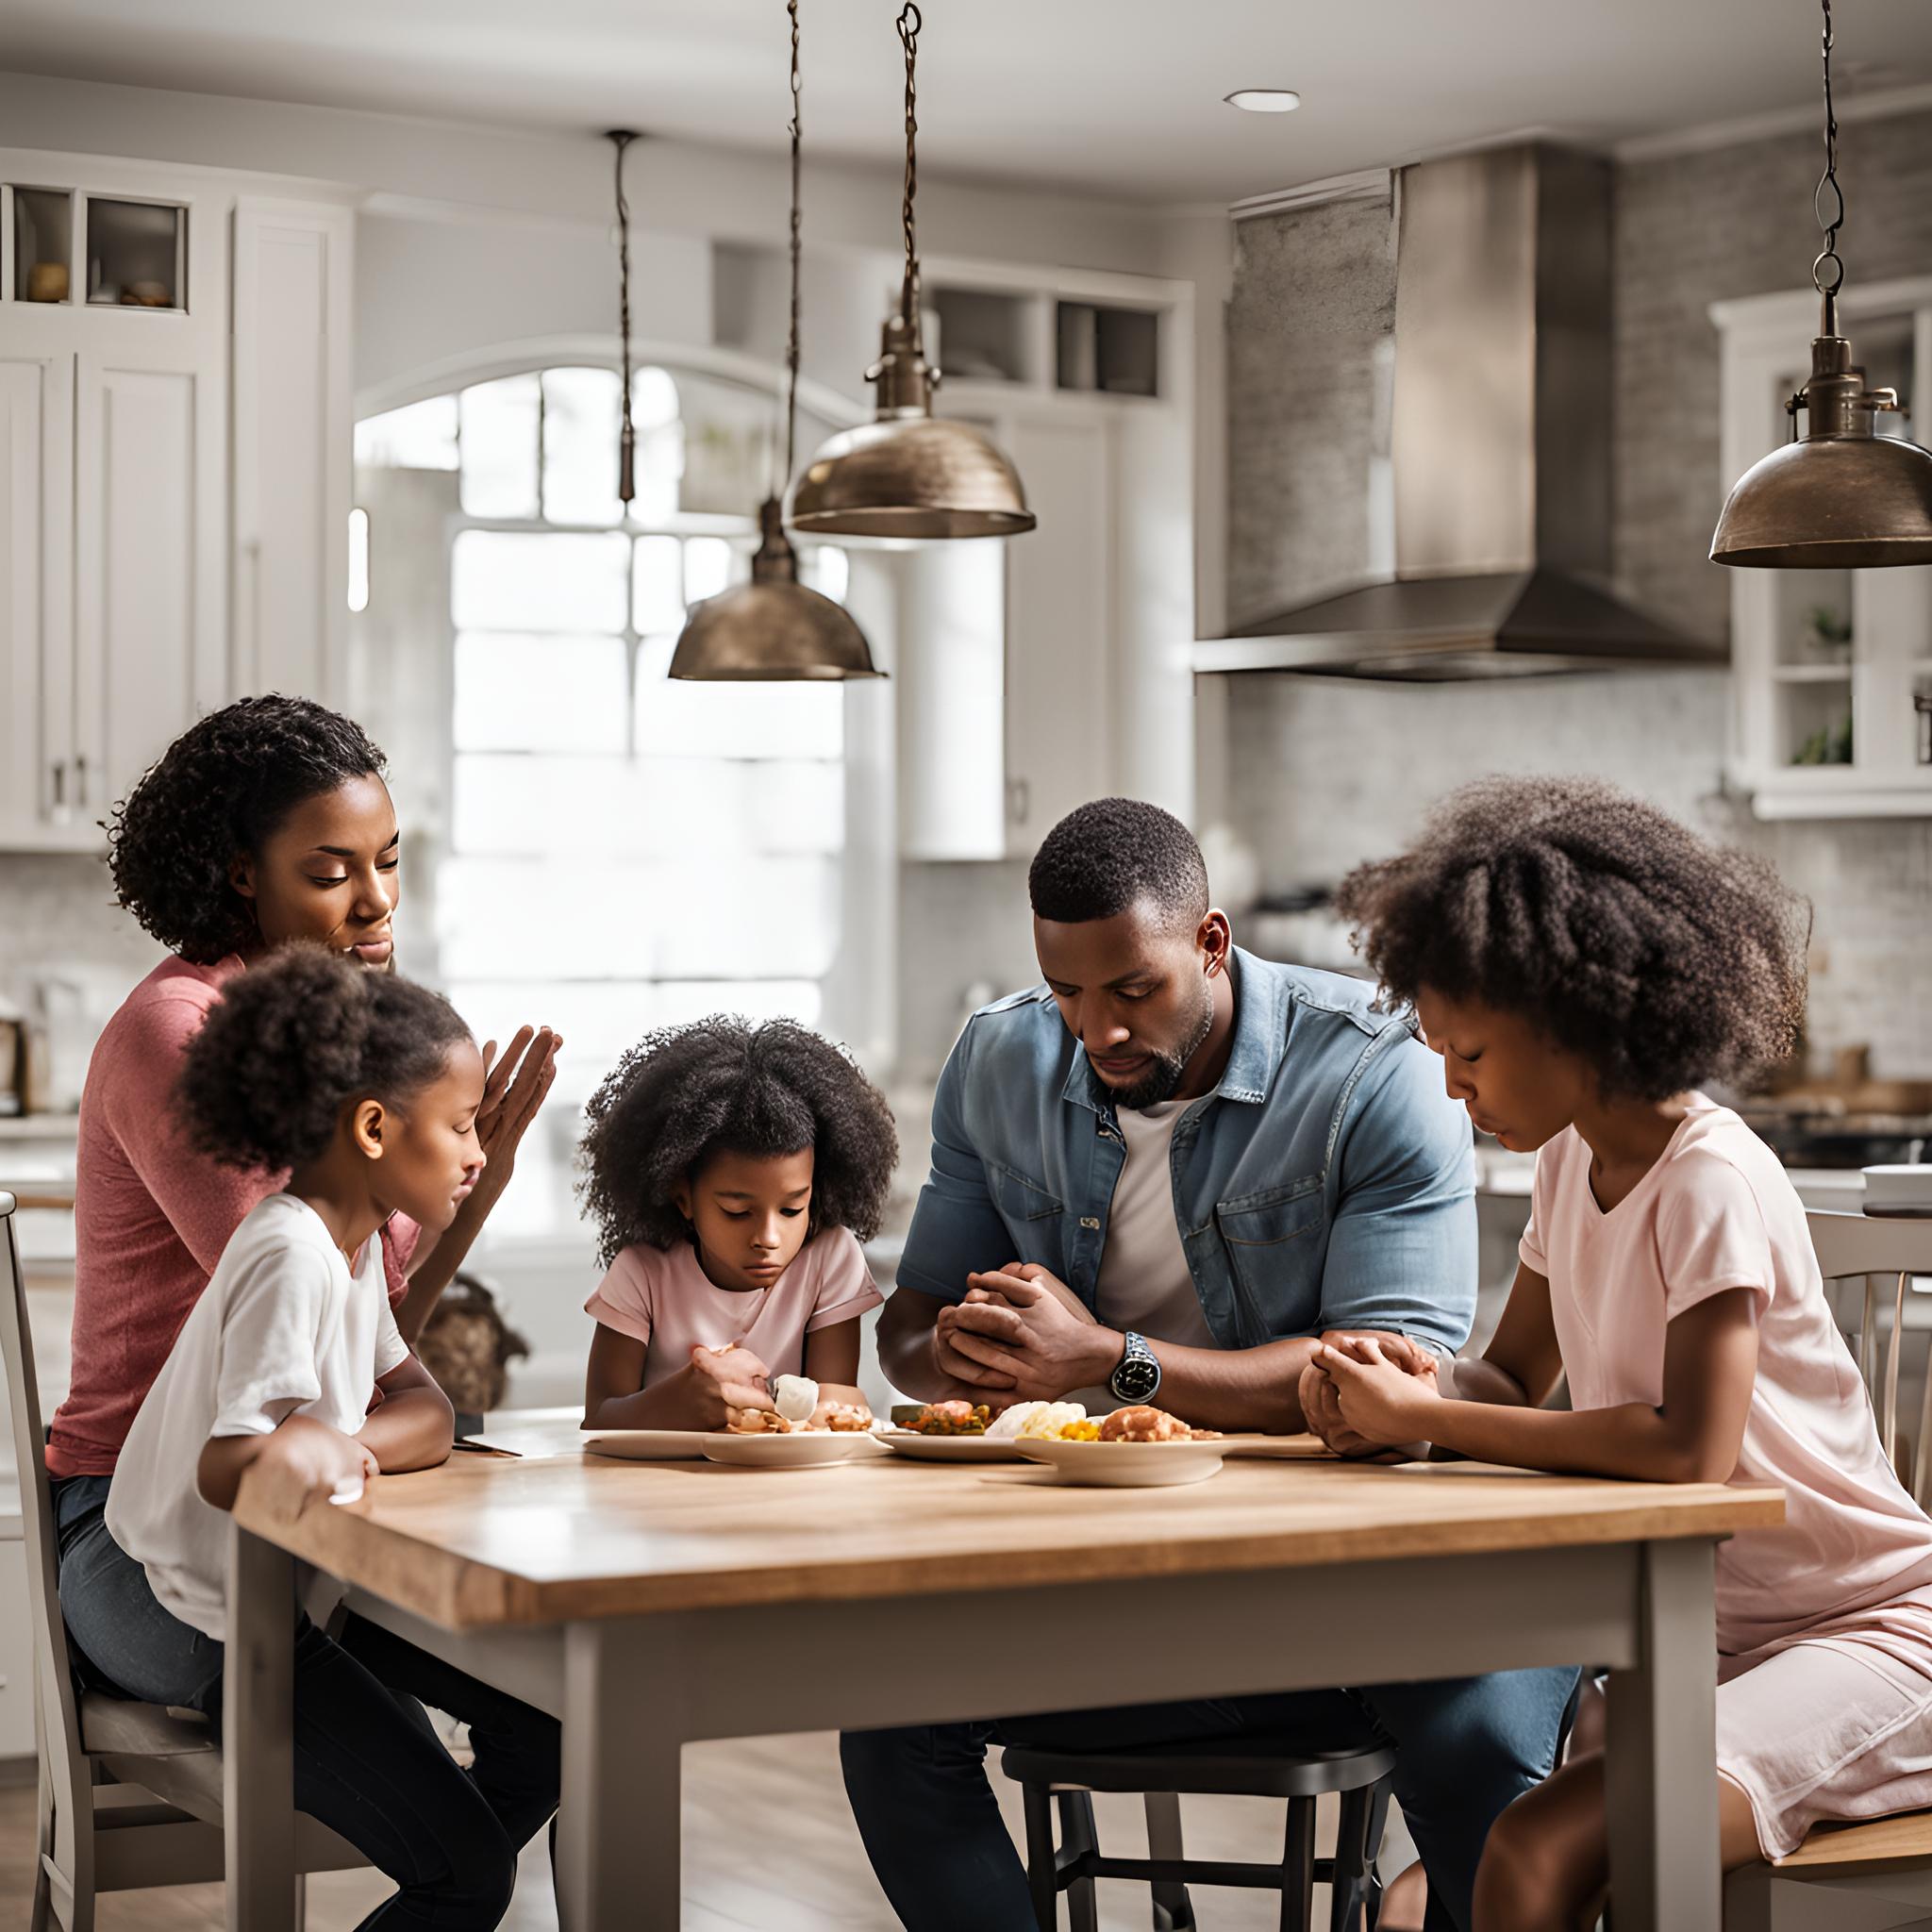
[1164,1176]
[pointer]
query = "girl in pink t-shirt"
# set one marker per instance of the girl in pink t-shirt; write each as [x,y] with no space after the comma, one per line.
[732,1171]
[1584,964]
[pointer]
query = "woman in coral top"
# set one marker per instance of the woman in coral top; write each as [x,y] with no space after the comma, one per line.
[265,821]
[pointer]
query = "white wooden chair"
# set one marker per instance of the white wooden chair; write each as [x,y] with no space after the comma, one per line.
[130,1794]
[1857,1877]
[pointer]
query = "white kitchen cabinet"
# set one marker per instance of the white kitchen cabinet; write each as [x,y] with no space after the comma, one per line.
[150,498]
[36,598]
[1059,671]
[128,539]
[1831,670]
[292,417]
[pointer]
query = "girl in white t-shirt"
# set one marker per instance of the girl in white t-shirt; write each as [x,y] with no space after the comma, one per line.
[732,1171]
[1584,964]
[290,1370]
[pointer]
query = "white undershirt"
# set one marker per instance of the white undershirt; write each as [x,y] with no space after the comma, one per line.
[1144,1281]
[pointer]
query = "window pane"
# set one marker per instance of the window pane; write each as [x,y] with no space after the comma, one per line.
[734,721]
[659,469]
[581,422]
[608,919]
[499,447]
[502,580]
[706,568]
[658,578]
[422,436]
[518,692]
[665,808]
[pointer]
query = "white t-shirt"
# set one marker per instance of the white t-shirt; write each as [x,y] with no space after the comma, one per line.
[1718,1212]
[283,1328]
[1144,1282]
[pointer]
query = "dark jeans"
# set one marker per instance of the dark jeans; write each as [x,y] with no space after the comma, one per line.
[1468,1747]
[368,1762]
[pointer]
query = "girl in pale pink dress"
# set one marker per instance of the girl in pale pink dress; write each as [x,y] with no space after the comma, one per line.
[733,1171]
[1584,965]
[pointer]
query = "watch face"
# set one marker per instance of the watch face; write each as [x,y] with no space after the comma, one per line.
[1137,1379]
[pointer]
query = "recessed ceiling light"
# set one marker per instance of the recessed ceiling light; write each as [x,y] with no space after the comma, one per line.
[1264,100]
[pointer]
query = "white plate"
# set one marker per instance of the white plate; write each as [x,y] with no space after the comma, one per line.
[1127,1465]
[951,1448]
[647,1445]
[809,1450]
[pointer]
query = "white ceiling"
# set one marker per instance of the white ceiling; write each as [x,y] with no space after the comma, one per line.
[1115,96]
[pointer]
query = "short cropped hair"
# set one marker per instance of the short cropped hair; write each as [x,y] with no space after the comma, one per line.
[1113,854]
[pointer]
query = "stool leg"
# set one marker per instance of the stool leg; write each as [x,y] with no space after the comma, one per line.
[1371,1852]
[1042,1879]
[1077,1835]
[1349,1870]
[1172,1909]
[1298,1867]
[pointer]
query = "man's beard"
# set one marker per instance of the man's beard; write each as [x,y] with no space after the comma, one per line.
[1162,1079]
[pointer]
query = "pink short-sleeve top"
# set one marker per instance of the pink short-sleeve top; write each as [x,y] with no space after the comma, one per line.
[1718,1212]
[663,1298]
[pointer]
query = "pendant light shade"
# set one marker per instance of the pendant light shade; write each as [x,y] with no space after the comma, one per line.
[1840,496]
[774,629]
[908,473]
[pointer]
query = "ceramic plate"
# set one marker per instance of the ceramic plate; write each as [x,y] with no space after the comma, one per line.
[1127,1465]
[647,1445]
[951,1448]
[807,1451]
[1279,1448]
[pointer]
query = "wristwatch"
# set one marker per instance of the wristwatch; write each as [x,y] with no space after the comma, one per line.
[1138,1375]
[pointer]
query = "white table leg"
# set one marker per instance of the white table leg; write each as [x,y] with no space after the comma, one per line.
[257,1737]
[617,1829]
[1661,1766]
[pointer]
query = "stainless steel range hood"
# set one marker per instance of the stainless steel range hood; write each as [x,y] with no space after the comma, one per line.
[1500,444]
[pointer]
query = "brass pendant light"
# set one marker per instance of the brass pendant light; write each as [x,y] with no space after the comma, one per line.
[908,473]
[1841,497]
[621,139]
[773,628]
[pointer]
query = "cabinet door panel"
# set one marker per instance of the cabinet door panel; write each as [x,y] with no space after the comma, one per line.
[148,486]
[36,627]
[292,413]
[1059,677]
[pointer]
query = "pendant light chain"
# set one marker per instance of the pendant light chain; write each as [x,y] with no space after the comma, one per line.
[1829,179]
[627,439]
[797,257]
[910,21]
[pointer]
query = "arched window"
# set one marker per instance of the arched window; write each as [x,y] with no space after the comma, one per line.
[614,851]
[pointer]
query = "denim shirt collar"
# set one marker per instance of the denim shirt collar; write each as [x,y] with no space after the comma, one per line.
[1260,1038]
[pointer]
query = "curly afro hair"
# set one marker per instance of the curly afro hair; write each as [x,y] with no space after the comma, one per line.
[724,1085]
[264,1081]
[1659,960]
[1114,853]
[213,796]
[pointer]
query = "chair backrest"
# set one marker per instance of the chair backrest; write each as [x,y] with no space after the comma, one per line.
[1872,1245]
[54,1678]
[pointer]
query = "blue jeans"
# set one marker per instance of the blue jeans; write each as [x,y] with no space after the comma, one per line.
[1468,1747]
[368,1761]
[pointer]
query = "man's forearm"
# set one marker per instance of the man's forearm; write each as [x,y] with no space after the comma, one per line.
[1235,1388]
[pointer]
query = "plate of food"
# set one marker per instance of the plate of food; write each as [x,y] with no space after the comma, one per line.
[967,1432]
[1135,1448]
[784,1449]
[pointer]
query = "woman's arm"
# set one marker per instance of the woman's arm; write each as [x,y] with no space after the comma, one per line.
[414,1425]
[1693,1435]
[699,1396]
[831,1359]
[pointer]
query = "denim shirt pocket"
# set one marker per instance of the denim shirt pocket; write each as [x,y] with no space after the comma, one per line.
[1267,1233]
[1034,1215]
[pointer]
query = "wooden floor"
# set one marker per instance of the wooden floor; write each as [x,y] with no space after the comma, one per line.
[769,1846]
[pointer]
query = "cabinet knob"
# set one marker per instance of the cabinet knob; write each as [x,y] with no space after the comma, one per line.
[1019,800]
[80,779]
[59,783]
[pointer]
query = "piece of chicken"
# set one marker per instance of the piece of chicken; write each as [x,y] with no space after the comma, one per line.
[757,1421]
[1143,1423]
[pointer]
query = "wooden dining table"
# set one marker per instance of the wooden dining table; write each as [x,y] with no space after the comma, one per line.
[649,1605]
